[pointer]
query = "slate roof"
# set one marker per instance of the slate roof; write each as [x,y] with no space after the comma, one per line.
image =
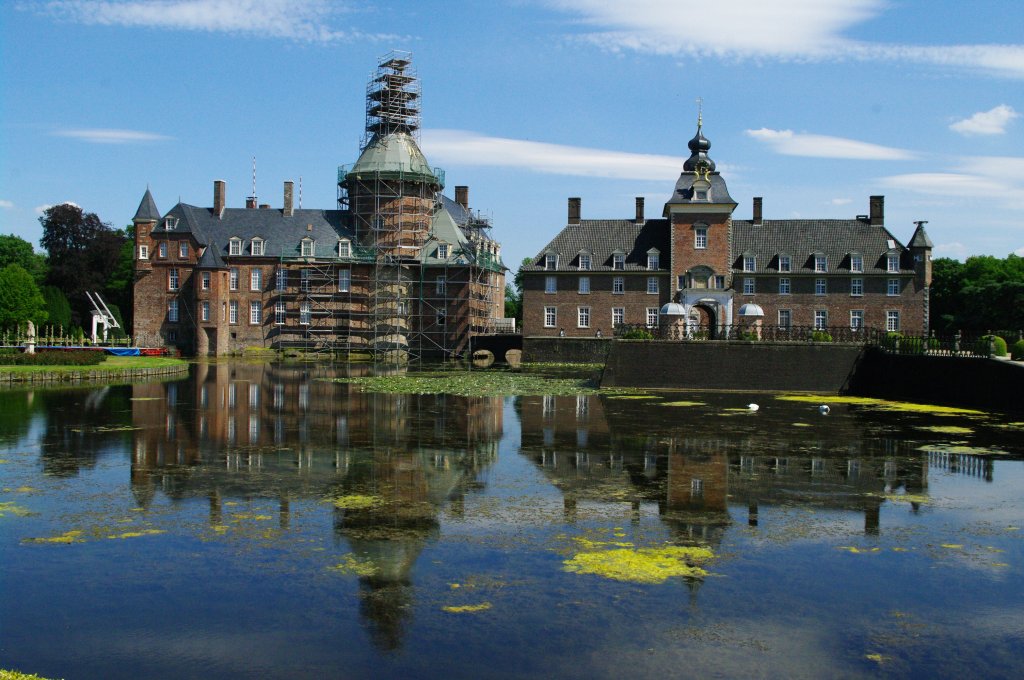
[604,237]
[920,238]
[719,192]
[801,239]
[147,209]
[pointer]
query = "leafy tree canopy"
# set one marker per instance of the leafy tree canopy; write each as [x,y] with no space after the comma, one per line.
[16,250]
[20,299]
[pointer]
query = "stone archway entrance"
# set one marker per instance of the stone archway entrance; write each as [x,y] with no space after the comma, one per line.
[704,320]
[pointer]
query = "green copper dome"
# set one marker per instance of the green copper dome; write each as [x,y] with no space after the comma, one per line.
[394,156]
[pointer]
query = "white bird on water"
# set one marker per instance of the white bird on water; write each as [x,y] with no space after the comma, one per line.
[824,409]
[753,407]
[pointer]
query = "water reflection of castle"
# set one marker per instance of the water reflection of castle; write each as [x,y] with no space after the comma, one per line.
[286,432]
[694,471]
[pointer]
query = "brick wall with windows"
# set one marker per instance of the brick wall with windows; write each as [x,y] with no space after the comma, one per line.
[686,254]
[633,302]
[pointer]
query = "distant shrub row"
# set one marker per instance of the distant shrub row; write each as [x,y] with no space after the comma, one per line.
[51,358]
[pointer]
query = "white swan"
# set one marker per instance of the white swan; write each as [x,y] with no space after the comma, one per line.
[824,409]
[753,407]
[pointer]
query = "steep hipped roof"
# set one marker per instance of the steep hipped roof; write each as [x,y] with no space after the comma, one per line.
[802,239]
[602,238]
[147,211]
[920,238]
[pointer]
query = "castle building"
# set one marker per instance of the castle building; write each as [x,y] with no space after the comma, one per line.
[697,272]
[397,270]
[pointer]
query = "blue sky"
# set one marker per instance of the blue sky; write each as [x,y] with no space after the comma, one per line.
[813,104]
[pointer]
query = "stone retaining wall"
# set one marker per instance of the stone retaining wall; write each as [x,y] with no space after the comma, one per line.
[566,350]
[91,375]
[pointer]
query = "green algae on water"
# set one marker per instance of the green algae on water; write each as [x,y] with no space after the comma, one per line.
[472,384]
[12,508]
[682,403]
[350,564]
[356,502]
[72,536]
[621,561]
[881,404]
[467,608]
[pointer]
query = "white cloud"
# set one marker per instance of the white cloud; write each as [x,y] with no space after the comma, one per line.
[7,205]
[790,143]
[999,178]
[108,136]
[841,201]
[991,122]
[955,250]
[783,29]
[304,20]
[470,148]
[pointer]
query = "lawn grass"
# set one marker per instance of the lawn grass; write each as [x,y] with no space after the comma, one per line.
[111,363]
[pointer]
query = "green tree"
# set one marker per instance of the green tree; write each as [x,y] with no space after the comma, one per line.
[20,299]
[944,297]
[16,250]
[58,310]
[982,294]
[513,303]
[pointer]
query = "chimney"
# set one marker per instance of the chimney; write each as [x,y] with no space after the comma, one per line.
[219,194]
[264,206]
[757,210]
[250,203]
[877,211]
[462,196]
[574,210]
[288,190]
[639,209]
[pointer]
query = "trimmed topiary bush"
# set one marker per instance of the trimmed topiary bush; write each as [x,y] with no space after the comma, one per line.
[998,347]
[1017,351]
[54,358]
[821,336]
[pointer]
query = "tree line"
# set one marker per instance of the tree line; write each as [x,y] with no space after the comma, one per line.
[982,294]
[82,253]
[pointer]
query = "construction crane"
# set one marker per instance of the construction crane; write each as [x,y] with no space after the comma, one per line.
[101,316]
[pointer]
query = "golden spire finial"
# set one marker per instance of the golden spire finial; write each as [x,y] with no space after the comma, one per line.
[700,112]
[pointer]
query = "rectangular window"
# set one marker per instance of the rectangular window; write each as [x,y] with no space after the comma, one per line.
[749,263]
[442,317]
[894,287]
[856,287]
[585,261]
[304,313]
[652,317]
[820,263]
[282,279]
[820,319]
[583,317]
[172,311]
[892,263]
[820,287]
[233,311]
[785,318]
[161,249]
[204,310]
[551,261]
[279,312]
[856,263]
[441,285]
[255,313]
[700,238]
[233,278]
[256,279]
[143,252]
[550,317]
[234,247]
[173,279]
[785,263]
[618,285]
[653,261]
[442,251]
[748,286]
[183,250]
[856,319]
[718,282]
[307,248]
[344,280]
[784,286]
[550,284]
[304,282]
[618,316]
[584,285]
[344,249]
[892,320]
[257,246]
[204,280]
[618,261]
[652,285]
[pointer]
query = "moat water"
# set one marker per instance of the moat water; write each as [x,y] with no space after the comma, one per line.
[258,520]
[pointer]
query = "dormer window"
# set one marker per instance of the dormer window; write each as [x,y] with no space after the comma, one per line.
[551,261]
[749,263]
[653,259]
[235,246]
[584,261]
[344,248]
[442,251]
[306,247]
[856,263]
[820,263]
[170,223]
[618,261]
[256,246]
[892,263]
[785,263]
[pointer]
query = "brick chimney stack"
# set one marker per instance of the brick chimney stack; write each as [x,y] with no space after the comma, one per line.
[877,211]
[639,209]
[219,195]
[250,203]
[289,188]
[757,211]
[574,210]
[462,196]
